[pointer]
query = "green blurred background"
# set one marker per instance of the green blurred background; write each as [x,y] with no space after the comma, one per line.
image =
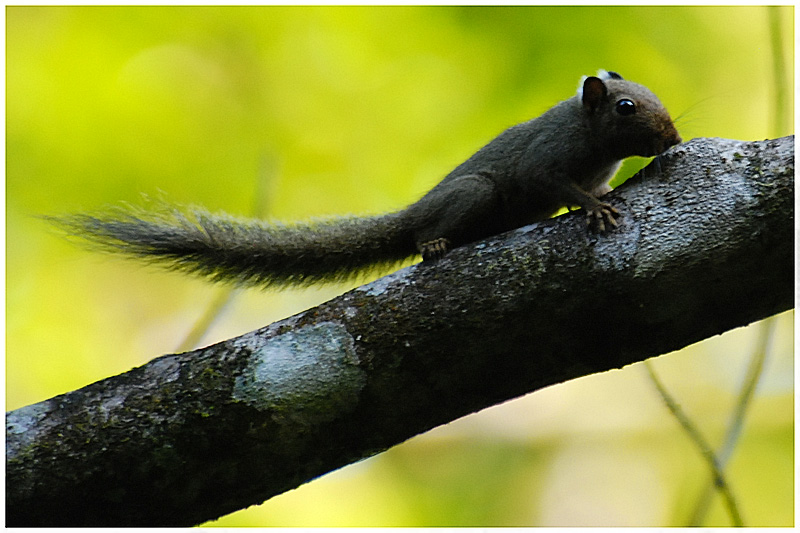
[298,112]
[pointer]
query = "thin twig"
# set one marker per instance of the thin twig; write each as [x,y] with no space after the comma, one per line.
[780,116]
[214,311]
[737,417]
[702,445]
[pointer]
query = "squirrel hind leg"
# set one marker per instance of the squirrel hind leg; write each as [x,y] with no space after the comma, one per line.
[459,210]
[435,249]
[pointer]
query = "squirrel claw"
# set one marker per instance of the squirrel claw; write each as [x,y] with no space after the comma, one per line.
[435,249]
[598,217]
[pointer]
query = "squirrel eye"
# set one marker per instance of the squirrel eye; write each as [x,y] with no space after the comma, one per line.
[626,107]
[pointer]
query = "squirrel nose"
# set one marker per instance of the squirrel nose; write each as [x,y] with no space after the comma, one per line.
[666,142]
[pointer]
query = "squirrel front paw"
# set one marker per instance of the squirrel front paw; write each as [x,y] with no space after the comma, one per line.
[602,217]
[435,249]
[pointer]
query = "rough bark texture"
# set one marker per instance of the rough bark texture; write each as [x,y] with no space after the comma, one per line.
[706,245]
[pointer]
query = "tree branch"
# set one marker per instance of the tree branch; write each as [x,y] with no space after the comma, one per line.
[705,245]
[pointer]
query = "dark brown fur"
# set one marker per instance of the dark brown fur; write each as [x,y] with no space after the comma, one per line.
[564,157]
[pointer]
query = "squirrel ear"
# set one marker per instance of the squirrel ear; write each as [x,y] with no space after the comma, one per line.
[594,93]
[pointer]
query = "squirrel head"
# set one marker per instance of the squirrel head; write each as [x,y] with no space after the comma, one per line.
[626,118]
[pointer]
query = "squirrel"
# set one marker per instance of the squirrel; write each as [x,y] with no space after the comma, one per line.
[564,157]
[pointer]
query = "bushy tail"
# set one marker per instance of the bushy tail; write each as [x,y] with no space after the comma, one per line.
[247,251]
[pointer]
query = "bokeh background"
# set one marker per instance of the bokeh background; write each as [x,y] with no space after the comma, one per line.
[305,111]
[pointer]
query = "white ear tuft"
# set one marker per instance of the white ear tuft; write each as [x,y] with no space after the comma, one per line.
[608,75]
[580,87]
